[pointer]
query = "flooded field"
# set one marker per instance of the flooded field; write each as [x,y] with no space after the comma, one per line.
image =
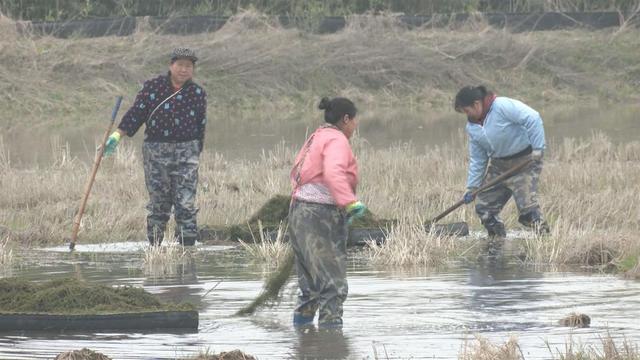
[395,314]
[248,138]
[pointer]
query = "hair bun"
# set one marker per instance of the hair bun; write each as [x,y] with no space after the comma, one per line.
[325,104]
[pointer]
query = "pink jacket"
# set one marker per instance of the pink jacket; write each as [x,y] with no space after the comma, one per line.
[329,162]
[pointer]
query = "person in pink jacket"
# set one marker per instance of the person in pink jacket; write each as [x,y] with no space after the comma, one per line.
[323,203]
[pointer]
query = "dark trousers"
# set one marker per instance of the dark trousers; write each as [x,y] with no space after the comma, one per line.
[523,187]
[171,176]
[318,235]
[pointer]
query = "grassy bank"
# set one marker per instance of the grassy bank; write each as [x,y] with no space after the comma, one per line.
[255,70]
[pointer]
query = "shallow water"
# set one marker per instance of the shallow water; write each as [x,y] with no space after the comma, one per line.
[391,314]
[248,138]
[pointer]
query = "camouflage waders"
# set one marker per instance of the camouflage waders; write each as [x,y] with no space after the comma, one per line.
[523,186]
[318,235]
[171,176]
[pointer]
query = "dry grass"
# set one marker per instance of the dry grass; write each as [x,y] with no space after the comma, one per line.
[258,69]
[409,244]
[6,256]
[268,248]
[610,350]
[483,349]
[634,273]
[166,259]
[593,213]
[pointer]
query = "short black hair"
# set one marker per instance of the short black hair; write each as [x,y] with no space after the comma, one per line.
[468,95]
[336,108]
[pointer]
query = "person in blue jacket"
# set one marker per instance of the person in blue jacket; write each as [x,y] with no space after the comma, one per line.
[502,133]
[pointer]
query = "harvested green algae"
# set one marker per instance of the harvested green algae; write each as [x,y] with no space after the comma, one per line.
[72,296]
[273,213]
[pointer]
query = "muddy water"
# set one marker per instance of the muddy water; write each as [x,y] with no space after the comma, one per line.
[247,138]
[389,313]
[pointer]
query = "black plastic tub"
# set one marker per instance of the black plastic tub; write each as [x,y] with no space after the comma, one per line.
[156,320]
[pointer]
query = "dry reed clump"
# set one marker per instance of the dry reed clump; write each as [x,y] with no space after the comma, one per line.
[83,354]
[165,259]
[269,248]
[231,355]
[611,350]
[483,349]
[411,245]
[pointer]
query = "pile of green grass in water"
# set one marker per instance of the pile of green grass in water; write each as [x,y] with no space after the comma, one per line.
[72,296]
[274,212]
[272,286]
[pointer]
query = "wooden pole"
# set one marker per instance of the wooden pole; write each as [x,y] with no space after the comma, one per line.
[94,171]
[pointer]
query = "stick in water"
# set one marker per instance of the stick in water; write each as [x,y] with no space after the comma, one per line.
[96,164]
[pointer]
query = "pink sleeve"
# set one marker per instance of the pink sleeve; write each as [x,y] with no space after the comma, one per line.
[336,157]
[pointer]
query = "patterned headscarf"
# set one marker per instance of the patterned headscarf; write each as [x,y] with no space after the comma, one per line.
[183,53]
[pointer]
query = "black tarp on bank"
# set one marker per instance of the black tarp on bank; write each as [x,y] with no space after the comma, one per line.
[184,320]
[517,22]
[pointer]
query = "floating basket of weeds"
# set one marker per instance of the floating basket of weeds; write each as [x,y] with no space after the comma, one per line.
[266,222]
[70,304]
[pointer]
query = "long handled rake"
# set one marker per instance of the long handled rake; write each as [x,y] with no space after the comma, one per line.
[491,183]
[94,171]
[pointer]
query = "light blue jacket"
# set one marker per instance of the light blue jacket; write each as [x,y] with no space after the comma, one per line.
[509,127]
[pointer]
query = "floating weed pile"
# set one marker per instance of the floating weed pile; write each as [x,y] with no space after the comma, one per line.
[269,220]
[72,296]
[165,259]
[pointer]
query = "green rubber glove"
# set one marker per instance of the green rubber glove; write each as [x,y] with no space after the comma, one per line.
[355,210]
[112,143]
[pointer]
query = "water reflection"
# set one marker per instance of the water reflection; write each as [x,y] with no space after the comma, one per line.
[389,314]
[501,292]
[312,343]
[178,287]
[247,138]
